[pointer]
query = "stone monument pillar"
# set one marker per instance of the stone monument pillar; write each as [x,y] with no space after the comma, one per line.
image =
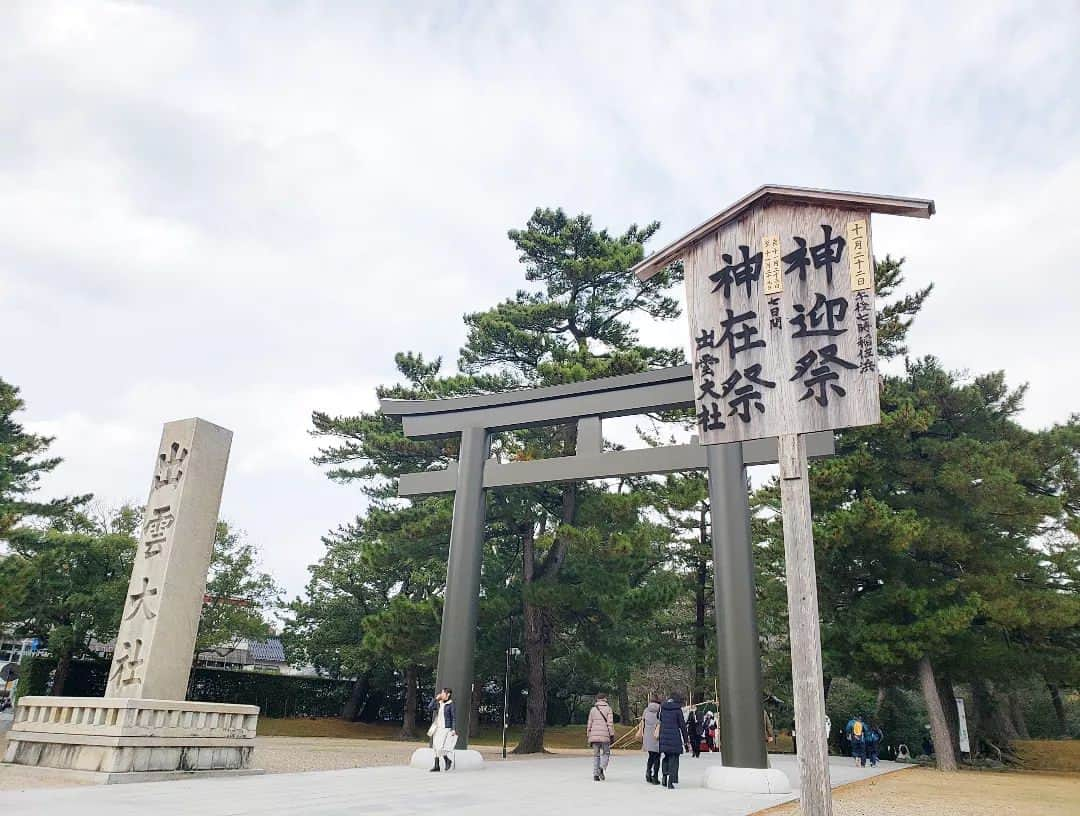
[153,652]
[142,726]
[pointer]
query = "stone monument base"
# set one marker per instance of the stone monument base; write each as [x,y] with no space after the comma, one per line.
[120,739]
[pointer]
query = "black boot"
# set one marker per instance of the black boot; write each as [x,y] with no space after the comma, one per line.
[446,762]
[666,783]
[436,769]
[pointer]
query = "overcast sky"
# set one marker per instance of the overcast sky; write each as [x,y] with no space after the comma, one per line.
[241,211]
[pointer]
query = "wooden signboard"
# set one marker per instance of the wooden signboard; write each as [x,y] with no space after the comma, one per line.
[783,335]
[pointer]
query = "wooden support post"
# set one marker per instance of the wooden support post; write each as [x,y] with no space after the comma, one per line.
[804,625]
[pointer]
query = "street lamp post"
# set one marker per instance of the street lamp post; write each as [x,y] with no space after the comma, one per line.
[510,651]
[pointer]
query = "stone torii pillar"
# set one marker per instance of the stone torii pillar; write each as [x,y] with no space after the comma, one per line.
[461,603]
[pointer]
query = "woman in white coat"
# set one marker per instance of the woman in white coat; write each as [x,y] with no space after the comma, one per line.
[442,727]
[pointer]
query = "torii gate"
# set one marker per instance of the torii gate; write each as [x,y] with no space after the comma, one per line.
[475,418]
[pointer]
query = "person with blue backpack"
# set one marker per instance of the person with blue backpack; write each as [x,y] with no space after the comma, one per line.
[856,731]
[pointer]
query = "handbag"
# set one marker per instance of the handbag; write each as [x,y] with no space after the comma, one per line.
[431,731]
[656,728]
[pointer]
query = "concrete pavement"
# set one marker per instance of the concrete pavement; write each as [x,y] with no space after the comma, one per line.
[517,788]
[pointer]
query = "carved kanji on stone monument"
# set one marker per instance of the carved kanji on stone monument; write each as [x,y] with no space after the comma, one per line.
[164,598]
[156,529]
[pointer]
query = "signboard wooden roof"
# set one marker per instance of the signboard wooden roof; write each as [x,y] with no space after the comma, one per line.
[780,300]
[775,193]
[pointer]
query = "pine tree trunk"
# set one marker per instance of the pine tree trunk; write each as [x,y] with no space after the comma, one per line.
[1016,714]
[373,705]
[1004,728]
[60,676]
[533,642]
[537,626]
[939,727]
[356,700]
[476,699]
[625,715]
[700,655]
[948,705]
[532,737]
[1059,710]
[995,729]
[408,717]
[880,701]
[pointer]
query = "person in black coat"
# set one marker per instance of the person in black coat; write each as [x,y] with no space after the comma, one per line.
[693,729]
[673,738]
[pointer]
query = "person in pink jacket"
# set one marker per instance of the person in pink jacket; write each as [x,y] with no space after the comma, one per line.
[600,731]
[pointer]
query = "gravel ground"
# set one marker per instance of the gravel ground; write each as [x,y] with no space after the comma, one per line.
[968,793]
[272,754]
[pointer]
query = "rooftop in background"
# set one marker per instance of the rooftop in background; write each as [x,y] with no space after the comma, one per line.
[781,194]
[268,650]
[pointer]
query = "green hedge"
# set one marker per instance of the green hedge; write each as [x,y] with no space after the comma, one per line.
[277,695]
[86,678]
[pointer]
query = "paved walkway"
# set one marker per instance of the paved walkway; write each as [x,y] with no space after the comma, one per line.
[520,788]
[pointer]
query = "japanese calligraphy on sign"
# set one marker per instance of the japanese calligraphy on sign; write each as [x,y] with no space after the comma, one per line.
[774,278]
[784,340]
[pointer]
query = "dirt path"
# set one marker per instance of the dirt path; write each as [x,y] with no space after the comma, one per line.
[968,793]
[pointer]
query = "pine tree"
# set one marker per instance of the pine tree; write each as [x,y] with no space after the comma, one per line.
[22,464]
[575,326]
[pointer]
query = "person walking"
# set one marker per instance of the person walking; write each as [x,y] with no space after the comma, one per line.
[600,731]
[874,736]
[708,731]
[673,738]
[442,727]
[650,739]
[693,729]
[856,734]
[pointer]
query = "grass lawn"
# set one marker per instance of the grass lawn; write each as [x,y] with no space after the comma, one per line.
[967,793]
[1049,755]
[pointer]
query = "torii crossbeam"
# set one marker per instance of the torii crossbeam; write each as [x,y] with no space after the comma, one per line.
[588,404]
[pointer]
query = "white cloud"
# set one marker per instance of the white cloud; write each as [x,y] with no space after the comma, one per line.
[241,212]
